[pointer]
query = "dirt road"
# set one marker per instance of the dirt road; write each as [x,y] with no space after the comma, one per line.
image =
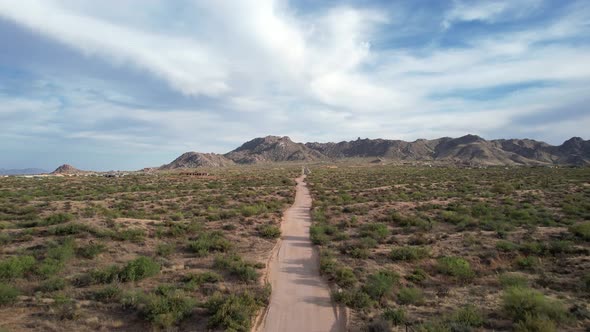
[300,299]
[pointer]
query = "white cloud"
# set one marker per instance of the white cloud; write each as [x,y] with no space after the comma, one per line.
[266,68]
[488,11]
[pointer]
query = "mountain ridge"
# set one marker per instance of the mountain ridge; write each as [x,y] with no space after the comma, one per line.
[467,149]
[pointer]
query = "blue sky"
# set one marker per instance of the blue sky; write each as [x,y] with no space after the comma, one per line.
[134,83]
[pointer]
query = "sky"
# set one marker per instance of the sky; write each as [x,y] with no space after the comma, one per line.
[127,84]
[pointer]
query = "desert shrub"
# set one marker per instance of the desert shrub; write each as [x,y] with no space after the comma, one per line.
[194,280]
[560,247]
[62,252]
[178,216]
[582,230]
[456,267]
[109,293]
[512,280]
[52,285]
[16,267]
[456,218]
[395,316]
[138,269]
[165,249]
[69,229]
[380,284]
[410,295]
[317,234]
[344,277]
[506,246]
[327,263]
[527,263]
[533,248]
[355,298]
[57,218]
[64,308]
[376,231]
[91,250]
[133,235]
[237,267]
[103,276]
[502,188]
[360,253]
[8,294]
[233,312]
[532,323]
[166,309]
[269,231]
[467,316]
[253,210]
[518,302]
[408,253]
[209,242]
[417,276]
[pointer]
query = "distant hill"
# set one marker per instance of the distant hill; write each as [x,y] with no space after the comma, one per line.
[24,171]
[272,149]
[196,159]
[66,169]
[468,149]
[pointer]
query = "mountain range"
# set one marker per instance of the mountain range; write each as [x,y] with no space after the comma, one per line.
[468,149]
[24,171]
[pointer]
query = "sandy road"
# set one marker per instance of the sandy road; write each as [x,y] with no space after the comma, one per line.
[300,300]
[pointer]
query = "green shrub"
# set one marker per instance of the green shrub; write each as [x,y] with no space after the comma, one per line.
[417,276]
[317,234]
[52,285]
[64,308]
[532,323]
[167,309]
[165,249]
[233,312]
[518,302]
[133,235]
[467,316]
[8,294]
[512,280]
[107,294]
[69,229]
[253,210]
[396,316]
[581,230]
[356,299]
[194,280]
[376,231]
[269,231]
[410,295]
[105,275]
[528,262]
[57,218]
[91,250]
[237,267]
[344,277]
[380,284]
[456,267]
[409,253]
[138,269]
[506,246]
[16,267]
[209,242]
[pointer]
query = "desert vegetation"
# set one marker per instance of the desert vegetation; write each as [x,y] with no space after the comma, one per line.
[455,249]
[141,252]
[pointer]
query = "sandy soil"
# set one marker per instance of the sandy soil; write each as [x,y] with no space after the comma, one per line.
[300,299]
